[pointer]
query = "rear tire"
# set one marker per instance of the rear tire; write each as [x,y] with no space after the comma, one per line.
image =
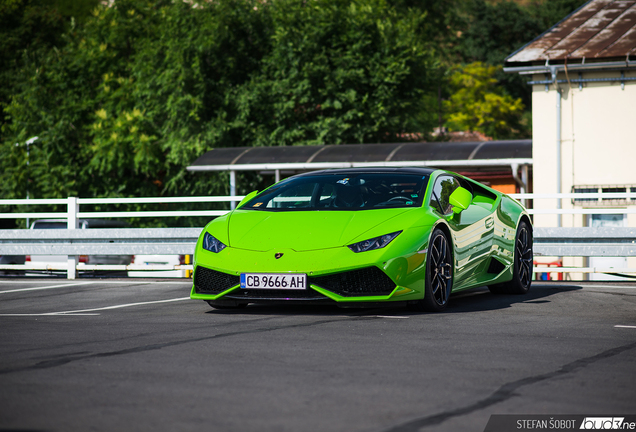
[522,269]
[439,275]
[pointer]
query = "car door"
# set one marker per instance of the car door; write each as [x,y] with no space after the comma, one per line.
[472,230]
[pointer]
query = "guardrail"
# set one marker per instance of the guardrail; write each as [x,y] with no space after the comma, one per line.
[574,242]
[111,241]
[104,241]
[585,242]
[559,242]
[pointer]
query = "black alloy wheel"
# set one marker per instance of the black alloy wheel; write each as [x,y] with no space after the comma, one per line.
[522,269]
[523,254]
[439,274]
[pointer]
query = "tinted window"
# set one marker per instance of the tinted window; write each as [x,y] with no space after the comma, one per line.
[347,191]
[82,224]
[444,187]
[49,225]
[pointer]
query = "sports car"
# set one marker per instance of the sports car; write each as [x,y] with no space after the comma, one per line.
[359,237]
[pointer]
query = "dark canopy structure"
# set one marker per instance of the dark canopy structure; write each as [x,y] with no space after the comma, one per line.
[440,154]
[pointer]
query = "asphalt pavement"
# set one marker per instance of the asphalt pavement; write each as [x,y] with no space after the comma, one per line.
[139,355]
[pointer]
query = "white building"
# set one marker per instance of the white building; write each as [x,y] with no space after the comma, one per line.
[583,77]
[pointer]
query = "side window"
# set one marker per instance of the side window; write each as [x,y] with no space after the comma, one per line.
[444,187]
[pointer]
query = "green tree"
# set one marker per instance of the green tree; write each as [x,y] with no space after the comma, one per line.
[479,104]
[550,12]
[338,72]
[135,91]
[492,30]
[28,30]
[98,134]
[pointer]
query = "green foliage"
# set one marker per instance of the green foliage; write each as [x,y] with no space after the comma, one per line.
[27,28]
[550,12]
[98,135]
[132,93]
[338,72]
[124,95]
[77,9]
[490,32]
[495,29]
[479,104]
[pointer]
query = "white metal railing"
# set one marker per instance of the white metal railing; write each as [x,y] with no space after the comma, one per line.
[574,195]
[575,242]
[73,213]
[63,266]
[72,203]
[594,207]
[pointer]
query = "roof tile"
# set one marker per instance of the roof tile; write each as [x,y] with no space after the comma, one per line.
[600,29]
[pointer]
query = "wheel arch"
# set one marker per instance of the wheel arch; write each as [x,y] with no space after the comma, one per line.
[525,218]
[449,236]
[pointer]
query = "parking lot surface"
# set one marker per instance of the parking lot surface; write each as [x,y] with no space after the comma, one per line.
[121,354]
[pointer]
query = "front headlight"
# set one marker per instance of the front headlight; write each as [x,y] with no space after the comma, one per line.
[374,243]
[212,244]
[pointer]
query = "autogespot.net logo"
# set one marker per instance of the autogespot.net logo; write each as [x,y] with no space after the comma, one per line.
[607,423]
[560,422]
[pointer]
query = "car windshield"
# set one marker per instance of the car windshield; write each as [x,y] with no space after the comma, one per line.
[346,191]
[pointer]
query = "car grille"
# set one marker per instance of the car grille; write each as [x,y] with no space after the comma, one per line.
[363,282]
[207,281]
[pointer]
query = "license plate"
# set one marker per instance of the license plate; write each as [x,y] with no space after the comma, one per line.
[274,281]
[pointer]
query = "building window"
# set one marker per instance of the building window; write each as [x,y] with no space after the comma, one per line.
[600,201]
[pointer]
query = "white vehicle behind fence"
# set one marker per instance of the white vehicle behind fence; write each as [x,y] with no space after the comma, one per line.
[11,259]
[87,259]
[149,260]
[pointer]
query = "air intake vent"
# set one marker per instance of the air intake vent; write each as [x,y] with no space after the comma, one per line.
[207,281]
[495,266]
[370,281]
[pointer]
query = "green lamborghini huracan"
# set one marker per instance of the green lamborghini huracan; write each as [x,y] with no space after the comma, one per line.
[358,237]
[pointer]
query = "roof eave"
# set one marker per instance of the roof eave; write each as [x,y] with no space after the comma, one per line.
[391,164]
[547,67]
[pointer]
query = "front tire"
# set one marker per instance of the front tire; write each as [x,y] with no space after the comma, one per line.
[439,274]
[522,269]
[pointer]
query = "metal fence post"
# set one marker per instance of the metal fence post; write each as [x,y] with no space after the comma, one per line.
[232,188]
[72,223]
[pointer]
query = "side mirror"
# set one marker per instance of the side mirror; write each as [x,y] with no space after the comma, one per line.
[460,199]
[248,197]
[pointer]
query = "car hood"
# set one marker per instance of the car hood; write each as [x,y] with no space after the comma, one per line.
[303,231]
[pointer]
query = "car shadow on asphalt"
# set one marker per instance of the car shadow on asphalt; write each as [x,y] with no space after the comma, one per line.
[473,300]
[481,299]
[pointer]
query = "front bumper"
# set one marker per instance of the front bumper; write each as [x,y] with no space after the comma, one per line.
[335,274]
[369,282]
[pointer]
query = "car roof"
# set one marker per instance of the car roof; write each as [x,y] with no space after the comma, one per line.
[379,170]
